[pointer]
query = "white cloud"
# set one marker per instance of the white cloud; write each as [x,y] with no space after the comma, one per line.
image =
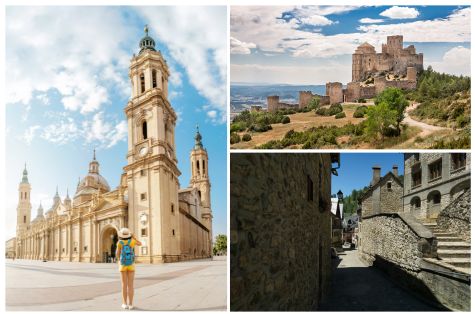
[368,20]
[104,132]
[455,61]
[317,20]
[30,133]
[290,74]
[239,47]
[263,26]
[397,12]
[85,63]
[196,38]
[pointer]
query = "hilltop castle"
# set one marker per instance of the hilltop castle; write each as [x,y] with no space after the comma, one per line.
[173,224]
[371,73]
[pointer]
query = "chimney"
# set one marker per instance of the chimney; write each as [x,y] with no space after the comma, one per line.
[395,170]
[376,175]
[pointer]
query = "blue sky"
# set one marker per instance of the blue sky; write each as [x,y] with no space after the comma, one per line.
[313,44]
[67,86]
[356,169]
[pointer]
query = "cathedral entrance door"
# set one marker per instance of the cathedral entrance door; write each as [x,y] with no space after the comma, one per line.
[109,244]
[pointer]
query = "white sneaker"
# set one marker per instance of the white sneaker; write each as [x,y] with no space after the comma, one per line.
[125,306]
[131,307]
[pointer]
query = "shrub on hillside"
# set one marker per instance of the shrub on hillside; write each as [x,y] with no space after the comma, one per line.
[285,120]
[246,137]
[235,138]
[340,115]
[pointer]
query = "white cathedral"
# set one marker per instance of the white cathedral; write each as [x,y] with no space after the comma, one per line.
[173,224]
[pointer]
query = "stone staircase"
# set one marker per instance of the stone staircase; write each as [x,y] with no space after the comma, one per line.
[451,249]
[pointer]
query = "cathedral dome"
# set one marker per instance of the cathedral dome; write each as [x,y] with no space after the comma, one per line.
[93,181]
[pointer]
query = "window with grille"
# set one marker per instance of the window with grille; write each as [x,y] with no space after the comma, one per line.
[459,161]
[435,170]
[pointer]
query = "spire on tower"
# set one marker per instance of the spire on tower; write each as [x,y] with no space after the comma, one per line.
[147,42]
[94,158]
[24,179]
[198,138]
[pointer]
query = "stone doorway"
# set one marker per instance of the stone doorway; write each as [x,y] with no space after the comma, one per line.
[109,245]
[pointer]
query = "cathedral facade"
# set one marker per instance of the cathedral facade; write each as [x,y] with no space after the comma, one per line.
[173,224]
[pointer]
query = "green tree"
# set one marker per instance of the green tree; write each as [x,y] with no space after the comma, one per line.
[380,117]
[314,103]
[220,245]
[396,100]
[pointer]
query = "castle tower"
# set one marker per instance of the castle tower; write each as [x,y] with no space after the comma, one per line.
[394,45]
[24,204]
[152,172]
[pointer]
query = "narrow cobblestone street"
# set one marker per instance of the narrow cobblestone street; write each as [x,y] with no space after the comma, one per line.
[357,287]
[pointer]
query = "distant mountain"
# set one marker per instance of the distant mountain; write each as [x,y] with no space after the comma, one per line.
[245,95]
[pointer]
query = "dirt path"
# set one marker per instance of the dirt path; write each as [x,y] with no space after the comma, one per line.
[427,129]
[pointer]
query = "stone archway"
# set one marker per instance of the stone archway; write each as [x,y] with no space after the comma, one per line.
[108,245]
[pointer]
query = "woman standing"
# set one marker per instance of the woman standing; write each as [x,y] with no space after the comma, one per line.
[126,259]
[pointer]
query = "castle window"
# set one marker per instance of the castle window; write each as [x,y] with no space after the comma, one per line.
[435,170]
[199,194]
[154,78]
[309,189]
[388,185]
[144,130]
[142,83]
[142,172]
[75,249]
[85,248]
[203,166]
[173,231]
[63,249]
[24,219]
[143,196]
[459,161]
[198,166]
[144,232]
[173,208]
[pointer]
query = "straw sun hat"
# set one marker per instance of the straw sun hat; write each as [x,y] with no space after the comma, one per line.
[124,233]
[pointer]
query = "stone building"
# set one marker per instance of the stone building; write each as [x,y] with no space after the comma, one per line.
[10,248]
[432,181]
[337,222]
[384,194]
[280,230]
[172,223]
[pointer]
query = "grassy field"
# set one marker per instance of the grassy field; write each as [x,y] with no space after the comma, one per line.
[300,122]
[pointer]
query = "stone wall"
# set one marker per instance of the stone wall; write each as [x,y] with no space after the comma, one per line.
[335,91]
[272,103]
[381,83]
[456,217]
[391,199]
[280,231]
[396,238]
[304,98]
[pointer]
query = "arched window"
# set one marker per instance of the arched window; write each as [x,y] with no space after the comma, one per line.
[142,83]
[154,78]
[198,167]
[416,203]
[203,167]
[434,197]
[144,130]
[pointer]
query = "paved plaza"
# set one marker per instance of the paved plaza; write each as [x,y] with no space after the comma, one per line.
[194,285]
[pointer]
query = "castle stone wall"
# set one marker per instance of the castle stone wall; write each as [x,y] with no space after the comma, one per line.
[272,103]
[280,237]
[304,98]
[335,91]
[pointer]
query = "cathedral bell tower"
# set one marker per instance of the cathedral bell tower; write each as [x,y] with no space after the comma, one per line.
[200,180]
[152,172]
[24,204]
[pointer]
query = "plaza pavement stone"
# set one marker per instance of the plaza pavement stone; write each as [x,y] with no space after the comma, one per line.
[191,285]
